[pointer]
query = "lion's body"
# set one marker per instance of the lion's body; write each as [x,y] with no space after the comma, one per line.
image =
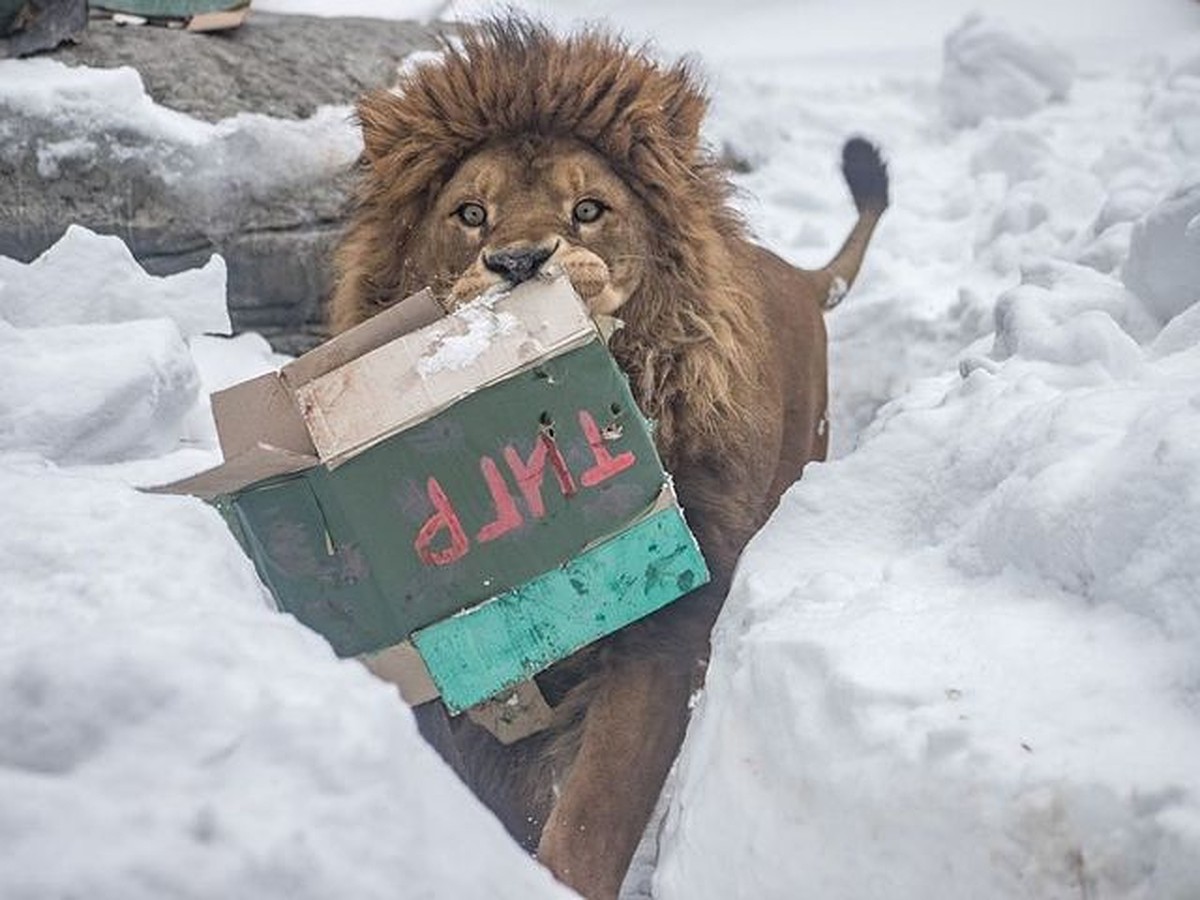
[521,151]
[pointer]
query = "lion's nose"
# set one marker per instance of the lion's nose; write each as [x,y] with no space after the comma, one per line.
[517,264]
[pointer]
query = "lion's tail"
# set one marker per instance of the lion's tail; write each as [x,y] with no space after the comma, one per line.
[867,176]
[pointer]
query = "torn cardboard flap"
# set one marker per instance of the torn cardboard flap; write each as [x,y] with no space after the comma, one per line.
[259,411]
[254,464]
[264,410]
[367,383]
[417,375]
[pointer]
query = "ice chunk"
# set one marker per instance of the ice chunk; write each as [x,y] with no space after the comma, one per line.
[90,278]
[989,70]
[95,393]
[1163,267]
[1073,316]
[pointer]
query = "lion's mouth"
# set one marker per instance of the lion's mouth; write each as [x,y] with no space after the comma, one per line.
[588,273]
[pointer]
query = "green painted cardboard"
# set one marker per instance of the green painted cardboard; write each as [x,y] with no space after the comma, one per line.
[436,518]
[477,653]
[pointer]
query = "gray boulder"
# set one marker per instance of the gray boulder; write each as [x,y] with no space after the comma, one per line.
[268,195]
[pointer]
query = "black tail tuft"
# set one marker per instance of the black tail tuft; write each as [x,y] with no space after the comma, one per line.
[867,175]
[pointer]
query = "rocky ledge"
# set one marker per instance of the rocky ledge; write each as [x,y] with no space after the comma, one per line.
[273,210]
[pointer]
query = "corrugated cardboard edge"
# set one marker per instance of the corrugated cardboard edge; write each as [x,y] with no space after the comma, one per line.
[368,399]
[218,21]
[402,666]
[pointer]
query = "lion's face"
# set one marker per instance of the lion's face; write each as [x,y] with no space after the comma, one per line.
[531,205]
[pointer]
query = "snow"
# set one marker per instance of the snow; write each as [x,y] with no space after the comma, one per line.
[990,70]
[164,733]
[210,166]
[89,278]
[98,393]
[982,625]
[410,10]
[963,657]
[1164,255]
[472,329]
[854,37]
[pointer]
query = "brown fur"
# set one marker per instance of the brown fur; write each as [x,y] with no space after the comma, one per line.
[724,344]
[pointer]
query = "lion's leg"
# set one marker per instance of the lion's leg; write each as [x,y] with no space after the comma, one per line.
[513,781]
[631,733]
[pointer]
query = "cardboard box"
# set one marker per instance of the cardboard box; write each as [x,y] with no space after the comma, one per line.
[193,15]
[459,500]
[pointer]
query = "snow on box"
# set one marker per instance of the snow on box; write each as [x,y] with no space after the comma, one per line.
[372,482]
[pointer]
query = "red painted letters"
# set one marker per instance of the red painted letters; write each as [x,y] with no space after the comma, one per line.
[443,518]
[507,517]
[529,474]
[606,465]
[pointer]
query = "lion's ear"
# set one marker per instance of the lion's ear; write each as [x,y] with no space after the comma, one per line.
[378,116]
[684,106]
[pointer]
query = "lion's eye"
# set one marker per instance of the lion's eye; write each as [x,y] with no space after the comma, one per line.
[472,215]
[588,211]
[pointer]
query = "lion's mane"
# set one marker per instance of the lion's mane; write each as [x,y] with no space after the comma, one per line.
[691,342]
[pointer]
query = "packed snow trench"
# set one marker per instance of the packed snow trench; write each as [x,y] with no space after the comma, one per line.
[961,660]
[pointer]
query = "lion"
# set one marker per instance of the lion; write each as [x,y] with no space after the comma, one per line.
[518,152]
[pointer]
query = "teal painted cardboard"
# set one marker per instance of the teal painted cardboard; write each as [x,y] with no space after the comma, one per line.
[482,651]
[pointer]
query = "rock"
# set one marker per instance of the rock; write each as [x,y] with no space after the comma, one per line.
[268,194]
[30,27]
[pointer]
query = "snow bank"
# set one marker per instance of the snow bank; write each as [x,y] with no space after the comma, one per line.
[99,393]
[163,733]
[86,278]
[92,352]
[962,660]
[990,70]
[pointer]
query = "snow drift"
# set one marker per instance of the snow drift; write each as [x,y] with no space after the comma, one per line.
[962,659]
[164,732]
[990,70]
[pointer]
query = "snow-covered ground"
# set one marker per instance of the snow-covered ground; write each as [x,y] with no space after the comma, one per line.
[963,658]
